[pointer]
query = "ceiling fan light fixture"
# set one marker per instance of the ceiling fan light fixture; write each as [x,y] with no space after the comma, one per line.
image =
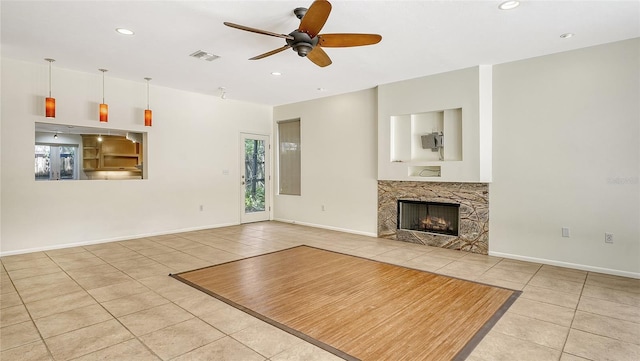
[509,5]
[303,49]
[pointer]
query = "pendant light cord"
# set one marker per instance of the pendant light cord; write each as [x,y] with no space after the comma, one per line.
[50,61]
[147,79]
[49,79]
[103,71]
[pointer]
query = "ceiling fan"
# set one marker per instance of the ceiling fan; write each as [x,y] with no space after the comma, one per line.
[307,41]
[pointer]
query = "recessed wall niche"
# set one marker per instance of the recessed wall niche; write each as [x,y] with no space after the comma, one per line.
[436,128]
[409,131]
[67,152]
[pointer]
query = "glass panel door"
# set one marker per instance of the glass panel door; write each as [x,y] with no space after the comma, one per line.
[67,162]
[43,162]
[55,162]
[255,178]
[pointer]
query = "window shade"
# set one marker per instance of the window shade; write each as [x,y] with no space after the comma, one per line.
[289,157]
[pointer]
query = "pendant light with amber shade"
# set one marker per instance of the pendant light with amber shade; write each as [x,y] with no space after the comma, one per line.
[147,112]
[49,102]
[104,108]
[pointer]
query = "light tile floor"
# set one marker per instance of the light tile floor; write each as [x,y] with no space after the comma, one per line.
[114,301]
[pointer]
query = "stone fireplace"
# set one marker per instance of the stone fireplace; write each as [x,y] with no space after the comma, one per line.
[423,213]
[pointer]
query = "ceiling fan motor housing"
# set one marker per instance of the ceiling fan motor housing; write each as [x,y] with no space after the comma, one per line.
[302,43]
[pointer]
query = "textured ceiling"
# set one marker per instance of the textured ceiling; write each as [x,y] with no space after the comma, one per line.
[419,38]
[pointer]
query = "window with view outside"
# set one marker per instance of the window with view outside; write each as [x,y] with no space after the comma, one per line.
[255,175]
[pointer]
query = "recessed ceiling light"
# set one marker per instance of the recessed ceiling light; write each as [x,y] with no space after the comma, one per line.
[566,35]
[508,5]
[124,31]
[276,73]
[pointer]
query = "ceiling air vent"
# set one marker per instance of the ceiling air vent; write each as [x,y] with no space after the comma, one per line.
[204,55]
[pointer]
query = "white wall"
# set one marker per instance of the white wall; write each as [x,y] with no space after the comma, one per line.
[339,157]
[566,153]
[194,138]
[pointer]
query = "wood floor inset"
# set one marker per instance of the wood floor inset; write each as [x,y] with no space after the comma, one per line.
[355,307]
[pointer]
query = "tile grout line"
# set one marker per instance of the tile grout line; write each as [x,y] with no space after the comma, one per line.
[360,243]
[184,309]
[100,304]
[592,333]
[29,313]
[155,292]
[575,311]
[114,317]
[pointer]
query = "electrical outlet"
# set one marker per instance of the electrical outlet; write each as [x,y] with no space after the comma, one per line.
[565,231]
[201,208]
[608,238]
[322,207]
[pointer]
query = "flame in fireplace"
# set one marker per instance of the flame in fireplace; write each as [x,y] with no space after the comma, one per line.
[436,223]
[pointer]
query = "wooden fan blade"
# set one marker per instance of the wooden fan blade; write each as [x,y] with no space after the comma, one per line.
[269,53]
[258,31]
[346,40]
[319,57]
[314,19]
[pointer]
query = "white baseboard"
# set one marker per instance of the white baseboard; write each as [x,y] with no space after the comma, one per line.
[327,227]
[191,229]
[114,239]
[567,265]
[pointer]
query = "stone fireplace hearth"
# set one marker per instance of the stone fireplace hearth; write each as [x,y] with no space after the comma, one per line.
[473,198]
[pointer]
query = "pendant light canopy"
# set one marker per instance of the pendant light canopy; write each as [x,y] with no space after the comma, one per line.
[49,102]
[104,108]
[147,112]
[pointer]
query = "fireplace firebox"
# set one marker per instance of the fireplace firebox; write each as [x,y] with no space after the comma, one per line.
[431,217]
